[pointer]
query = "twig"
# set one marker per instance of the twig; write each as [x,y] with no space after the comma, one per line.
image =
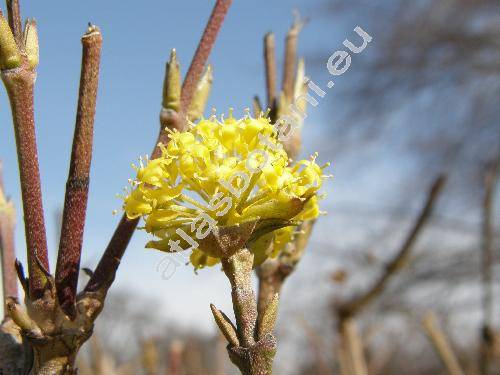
[270,64]
[487,264]
[441,344]
[15,21]
[175,351]
[7,249]
[352,347]
[355,305]
[75,204]
[203,51]
[291,59]
[273,272]
[106,269]
[19,84]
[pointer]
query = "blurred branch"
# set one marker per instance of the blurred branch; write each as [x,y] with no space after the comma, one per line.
[487,230]
[7,249]
[441,344]
[355,305]
[273,272]
[317,345]
[270,66]
[291,58]
[77,186]
[353,358]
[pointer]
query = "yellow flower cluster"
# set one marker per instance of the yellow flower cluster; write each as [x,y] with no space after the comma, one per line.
[220,185]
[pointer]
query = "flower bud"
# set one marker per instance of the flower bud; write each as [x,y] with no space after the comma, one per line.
[172,84]
[31,43]
[200,97]
[10,57]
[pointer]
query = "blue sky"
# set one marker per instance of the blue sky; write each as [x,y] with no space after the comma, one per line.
[137,42]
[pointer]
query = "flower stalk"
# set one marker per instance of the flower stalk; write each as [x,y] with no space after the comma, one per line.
[252,345]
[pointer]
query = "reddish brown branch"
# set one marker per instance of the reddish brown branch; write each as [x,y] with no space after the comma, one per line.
[77,187]
[105,272]
[15,22]
[203,51]
[7,249]
[19,83]
[355,305]
[270,64]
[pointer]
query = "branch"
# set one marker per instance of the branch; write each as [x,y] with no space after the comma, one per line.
[270,64]
[15,22]
[77,187]
[7,249]
[441,344]
[203,51]
[358,303]
[273,272]
[352,348]
[487,263]
[105,272]
[487,243]
[291,58]
[19,83]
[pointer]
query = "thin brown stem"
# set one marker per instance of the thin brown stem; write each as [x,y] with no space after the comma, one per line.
[291,59]
[487,262]
[487,243]
[355,305]
[203,51]
[15,22]
[7,249]
[108,265]
[19,83]
[270,64]
[77,186]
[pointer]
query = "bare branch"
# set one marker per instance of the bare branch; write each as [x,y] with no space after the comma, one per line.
[355,305]
[270,63]
[75,204]
[203,51]
[352,348]
[19,83]
[487,258]
[291,59]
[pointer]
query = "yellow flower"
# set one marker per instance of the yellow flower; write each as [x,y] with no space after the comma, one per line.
[222,185]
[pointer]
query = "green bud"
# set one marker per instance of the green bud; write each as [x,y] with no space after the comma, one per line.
[31,43]
[172,84]
[200,97]
[10,57]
